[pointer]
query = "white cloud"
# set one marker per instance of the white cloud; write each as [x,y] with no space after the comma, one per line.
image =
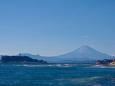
[85,36]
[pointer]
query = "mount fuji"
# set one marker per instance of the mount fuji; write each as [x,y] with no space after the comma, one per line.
[86,52]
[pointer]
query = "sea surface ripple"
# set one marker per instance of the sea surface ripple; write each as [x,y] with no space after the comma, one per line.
[20,74]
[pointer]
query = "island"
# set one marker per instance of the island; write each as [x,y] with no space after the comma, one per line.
[20,59]
[106,62]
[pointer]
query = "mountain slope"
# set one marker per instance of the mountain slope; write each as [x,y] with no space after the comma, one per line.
[86,52]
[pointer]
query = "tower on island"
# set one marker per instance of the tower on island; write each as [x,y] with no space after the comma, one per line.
[19,54]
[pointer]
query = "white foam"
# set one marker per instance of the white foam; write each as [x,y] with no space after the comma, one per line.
[101,66]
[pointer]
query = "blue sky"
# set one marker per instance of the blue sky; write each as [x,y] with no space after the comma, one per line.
[54,27]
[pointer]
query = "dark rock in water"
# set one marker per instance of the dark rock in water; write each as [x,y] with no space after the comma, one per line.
[20,59]
[105,61]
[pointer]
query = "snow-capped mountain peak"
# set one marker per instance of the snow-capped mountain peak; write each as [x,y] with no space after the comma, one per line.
[84,49]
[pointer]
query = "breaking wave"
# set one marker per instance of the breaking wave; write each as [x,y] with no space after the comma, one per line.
[41,65]
[102,66]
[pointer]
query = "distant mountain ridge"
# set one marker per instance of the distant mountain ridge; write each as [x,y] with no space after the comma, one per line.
[84,54]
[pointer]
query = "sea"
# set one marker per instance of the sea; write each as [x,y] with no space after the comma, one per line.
[25,74]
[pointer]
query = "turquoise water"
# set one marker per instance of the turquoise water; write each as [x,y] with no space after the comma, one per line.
[56,75]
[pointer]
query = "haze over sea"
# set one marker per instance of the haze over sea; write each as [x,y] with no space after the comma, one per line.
[56,75]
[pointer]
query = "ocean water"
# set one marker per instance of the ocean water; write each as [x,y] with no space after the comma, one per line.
[56,75]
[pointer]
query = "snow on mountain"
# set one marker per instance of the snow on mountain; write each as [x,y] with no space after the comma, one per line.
[86,52]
